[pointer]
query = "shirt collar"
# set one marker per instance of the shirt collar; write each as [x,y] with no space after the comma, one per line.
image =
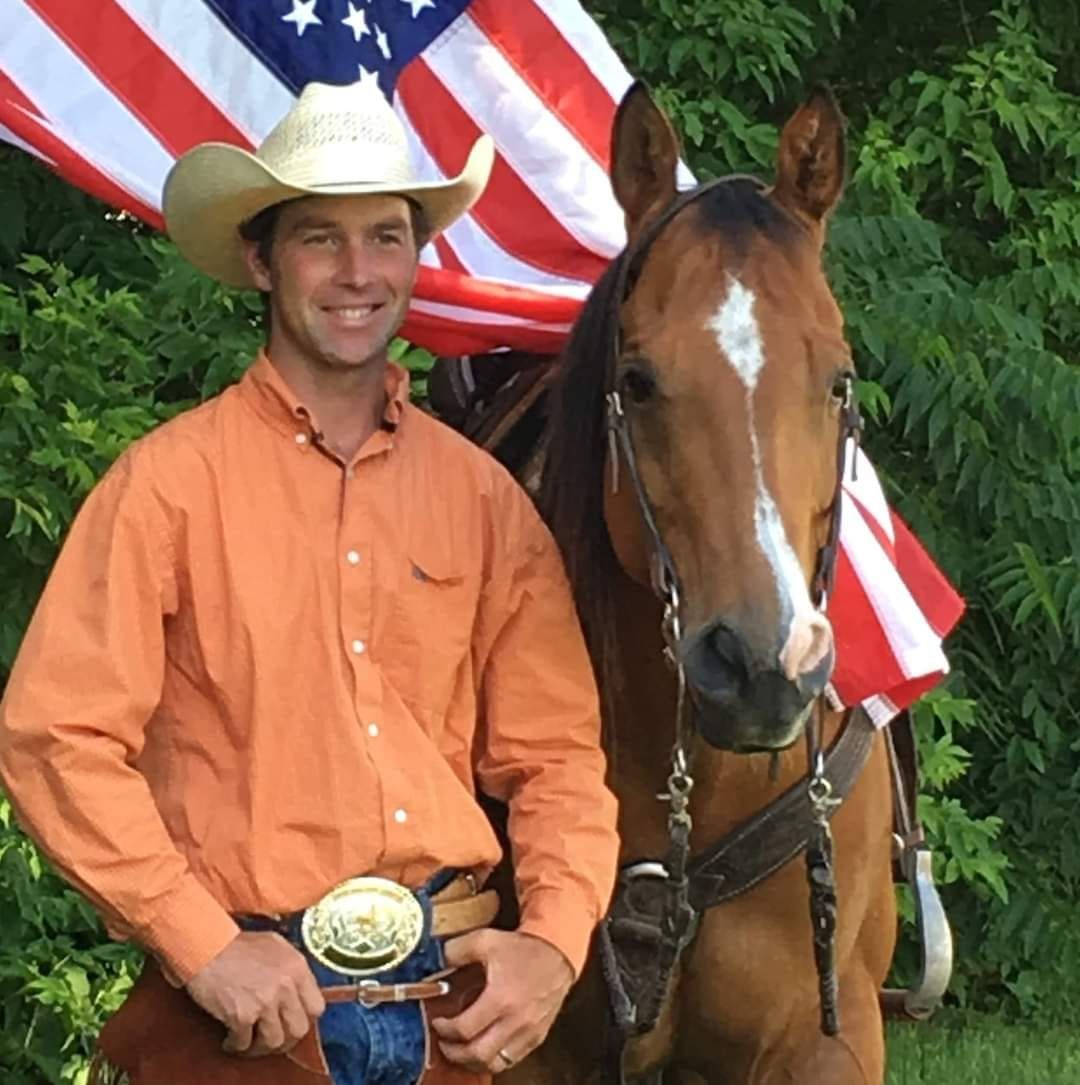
[265,389]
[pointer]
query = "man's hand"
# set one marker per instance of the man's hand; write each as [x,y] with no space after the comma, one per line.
[262,990]
[527,980]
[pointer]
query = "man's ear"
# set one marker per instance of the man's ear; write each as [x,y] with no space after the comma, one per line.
[260,273]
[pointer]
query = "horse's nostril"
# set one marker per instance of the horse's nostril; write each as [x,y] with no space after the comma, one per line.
[727,669]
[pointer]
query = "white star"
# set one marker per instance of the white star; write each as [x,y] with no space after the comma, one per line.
[382,42]
[418,5]
[357,22]
[368,79]
[303,14]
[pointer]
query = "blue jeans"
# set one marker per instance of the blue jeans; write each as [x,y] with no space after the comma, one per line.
[377,1045]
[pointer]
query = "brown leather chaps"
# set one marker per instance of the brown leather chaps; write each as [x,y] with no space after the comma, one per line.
[160,1037]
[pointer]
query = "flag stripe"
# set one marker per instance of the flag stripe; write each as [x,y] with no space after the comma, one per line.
[587,39]
[22,117]
[152,87]
[564,82]
[575,189]
[80,109]
[8,136]
[865,663]
[201,45]
[936,597]
[447,257]
[885,535]
[486,318]
[438,284]
[862,484]
[462,337]
[478,251]
[446,130]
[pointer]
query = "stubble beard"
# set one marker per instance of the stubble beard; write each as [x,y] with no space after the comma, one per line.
[321,352]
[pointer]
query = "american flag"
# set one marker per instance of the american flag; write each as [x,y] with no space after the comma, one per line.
[110,93]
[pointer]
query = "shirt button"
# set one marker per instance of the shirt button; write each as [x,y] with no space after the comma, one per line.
[373,730]
[400,816]
[358,647]
[301,438]
[352,557]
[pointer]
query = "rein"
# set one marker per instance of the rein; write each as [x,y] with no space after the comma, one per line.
[681,906]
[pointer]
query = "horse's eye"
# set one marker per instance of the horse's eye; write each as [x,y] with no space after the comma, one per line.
[843,387]
[638,383]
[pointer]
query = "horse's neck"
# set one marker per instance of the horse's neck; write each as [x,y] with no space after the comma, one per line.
[728,787]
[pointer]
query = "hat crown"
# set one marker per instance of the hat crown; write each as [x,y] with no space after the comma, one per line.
[338,135]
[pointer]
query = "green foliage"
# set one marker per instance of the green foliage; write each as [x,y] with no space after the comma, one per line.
[58,978]
[956,256]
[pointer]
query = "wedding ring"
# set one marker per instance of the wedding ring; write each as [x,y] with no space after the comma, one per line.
[507,1060]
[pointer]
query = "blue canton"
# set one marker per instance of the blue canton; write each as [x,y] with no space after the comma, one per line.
[337,41]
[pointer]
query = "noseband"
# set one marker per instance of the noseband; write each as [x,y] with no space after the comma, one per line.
[680,916]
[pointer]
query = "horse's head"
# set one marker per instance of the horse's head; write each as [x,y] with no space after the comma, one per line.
[731,367]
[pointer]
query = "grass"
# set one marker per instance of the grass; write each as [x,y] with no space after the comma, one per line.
[983,1051]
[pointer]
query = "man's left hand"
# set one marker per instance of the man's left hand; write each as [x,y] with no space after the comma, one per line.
[527,981]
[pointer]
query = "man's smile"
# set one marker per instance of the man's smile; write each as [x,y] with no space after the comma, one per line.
[352,315]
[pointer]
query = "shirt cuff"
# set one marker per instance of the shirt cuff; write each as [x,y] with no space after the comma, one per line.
[189,930]
[565,919]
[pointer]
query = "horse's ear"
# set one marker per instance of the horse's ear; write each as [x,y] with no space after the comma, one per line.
[810,160]
[644,158]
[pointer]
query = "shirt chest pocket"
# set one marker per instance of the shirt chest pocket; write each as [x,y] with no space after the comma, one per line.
[432,621]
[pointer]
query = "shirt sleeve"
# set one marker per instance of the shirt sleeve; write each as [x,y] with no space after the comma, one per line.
[539,747]
[84,687]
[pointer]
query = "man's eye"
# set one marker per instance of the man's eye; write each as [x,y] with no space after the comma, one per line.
[391,239]
[316,239]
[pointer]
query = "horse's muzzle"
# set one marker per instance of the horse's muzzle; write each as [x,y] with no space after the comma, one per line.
[743,702]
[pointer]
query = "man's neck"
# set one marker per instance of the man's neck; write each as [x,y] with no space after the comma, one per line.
[348,404]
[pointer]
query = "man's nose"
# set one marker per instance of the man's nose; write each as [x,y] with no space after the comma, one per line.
[355,266]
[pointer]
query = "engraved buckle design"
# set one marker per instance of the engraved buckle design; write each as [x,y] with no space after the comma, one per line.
[362,926]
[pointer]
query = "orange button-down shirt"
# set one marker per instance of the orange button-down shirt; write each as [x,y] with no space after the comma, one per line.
[257,670]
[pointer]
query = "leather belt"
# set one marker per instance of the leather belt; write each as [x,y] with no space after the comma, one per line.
[459,908]
[370,993]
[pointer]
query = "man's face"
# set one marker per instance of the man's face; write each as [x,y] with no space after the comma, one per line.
[341,271]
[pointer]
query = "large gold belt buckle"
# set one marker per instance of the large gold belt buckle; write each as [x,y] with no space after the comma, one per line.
[363,925]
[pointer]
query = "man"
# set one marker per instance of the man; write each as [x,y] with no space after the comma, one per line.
[293,631]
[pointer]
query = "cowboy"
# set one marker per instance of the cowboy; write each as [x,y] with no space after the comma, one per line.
[292,634]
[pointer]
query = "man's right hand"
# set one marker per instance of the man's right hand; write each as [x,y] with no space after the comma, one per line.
[262,990]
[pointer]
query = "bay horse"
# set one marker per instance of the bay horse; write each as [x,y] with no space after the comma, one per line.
[715,336]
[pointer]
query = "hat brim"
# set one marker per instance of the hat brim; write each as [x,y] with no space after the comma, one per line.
[216,187]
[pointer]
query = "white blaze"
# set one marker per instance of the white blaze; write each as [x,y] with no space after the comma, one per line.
[808,635]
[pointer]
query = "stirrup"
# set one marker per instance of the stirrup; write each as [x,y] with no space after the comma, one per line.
[935,937]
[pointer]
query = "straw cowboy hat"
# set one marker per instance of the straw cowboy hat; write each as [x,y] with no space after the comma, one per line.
[334,141]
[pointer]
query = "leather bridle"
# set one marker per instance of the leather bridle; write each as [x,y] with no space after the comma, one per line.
[680,916]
